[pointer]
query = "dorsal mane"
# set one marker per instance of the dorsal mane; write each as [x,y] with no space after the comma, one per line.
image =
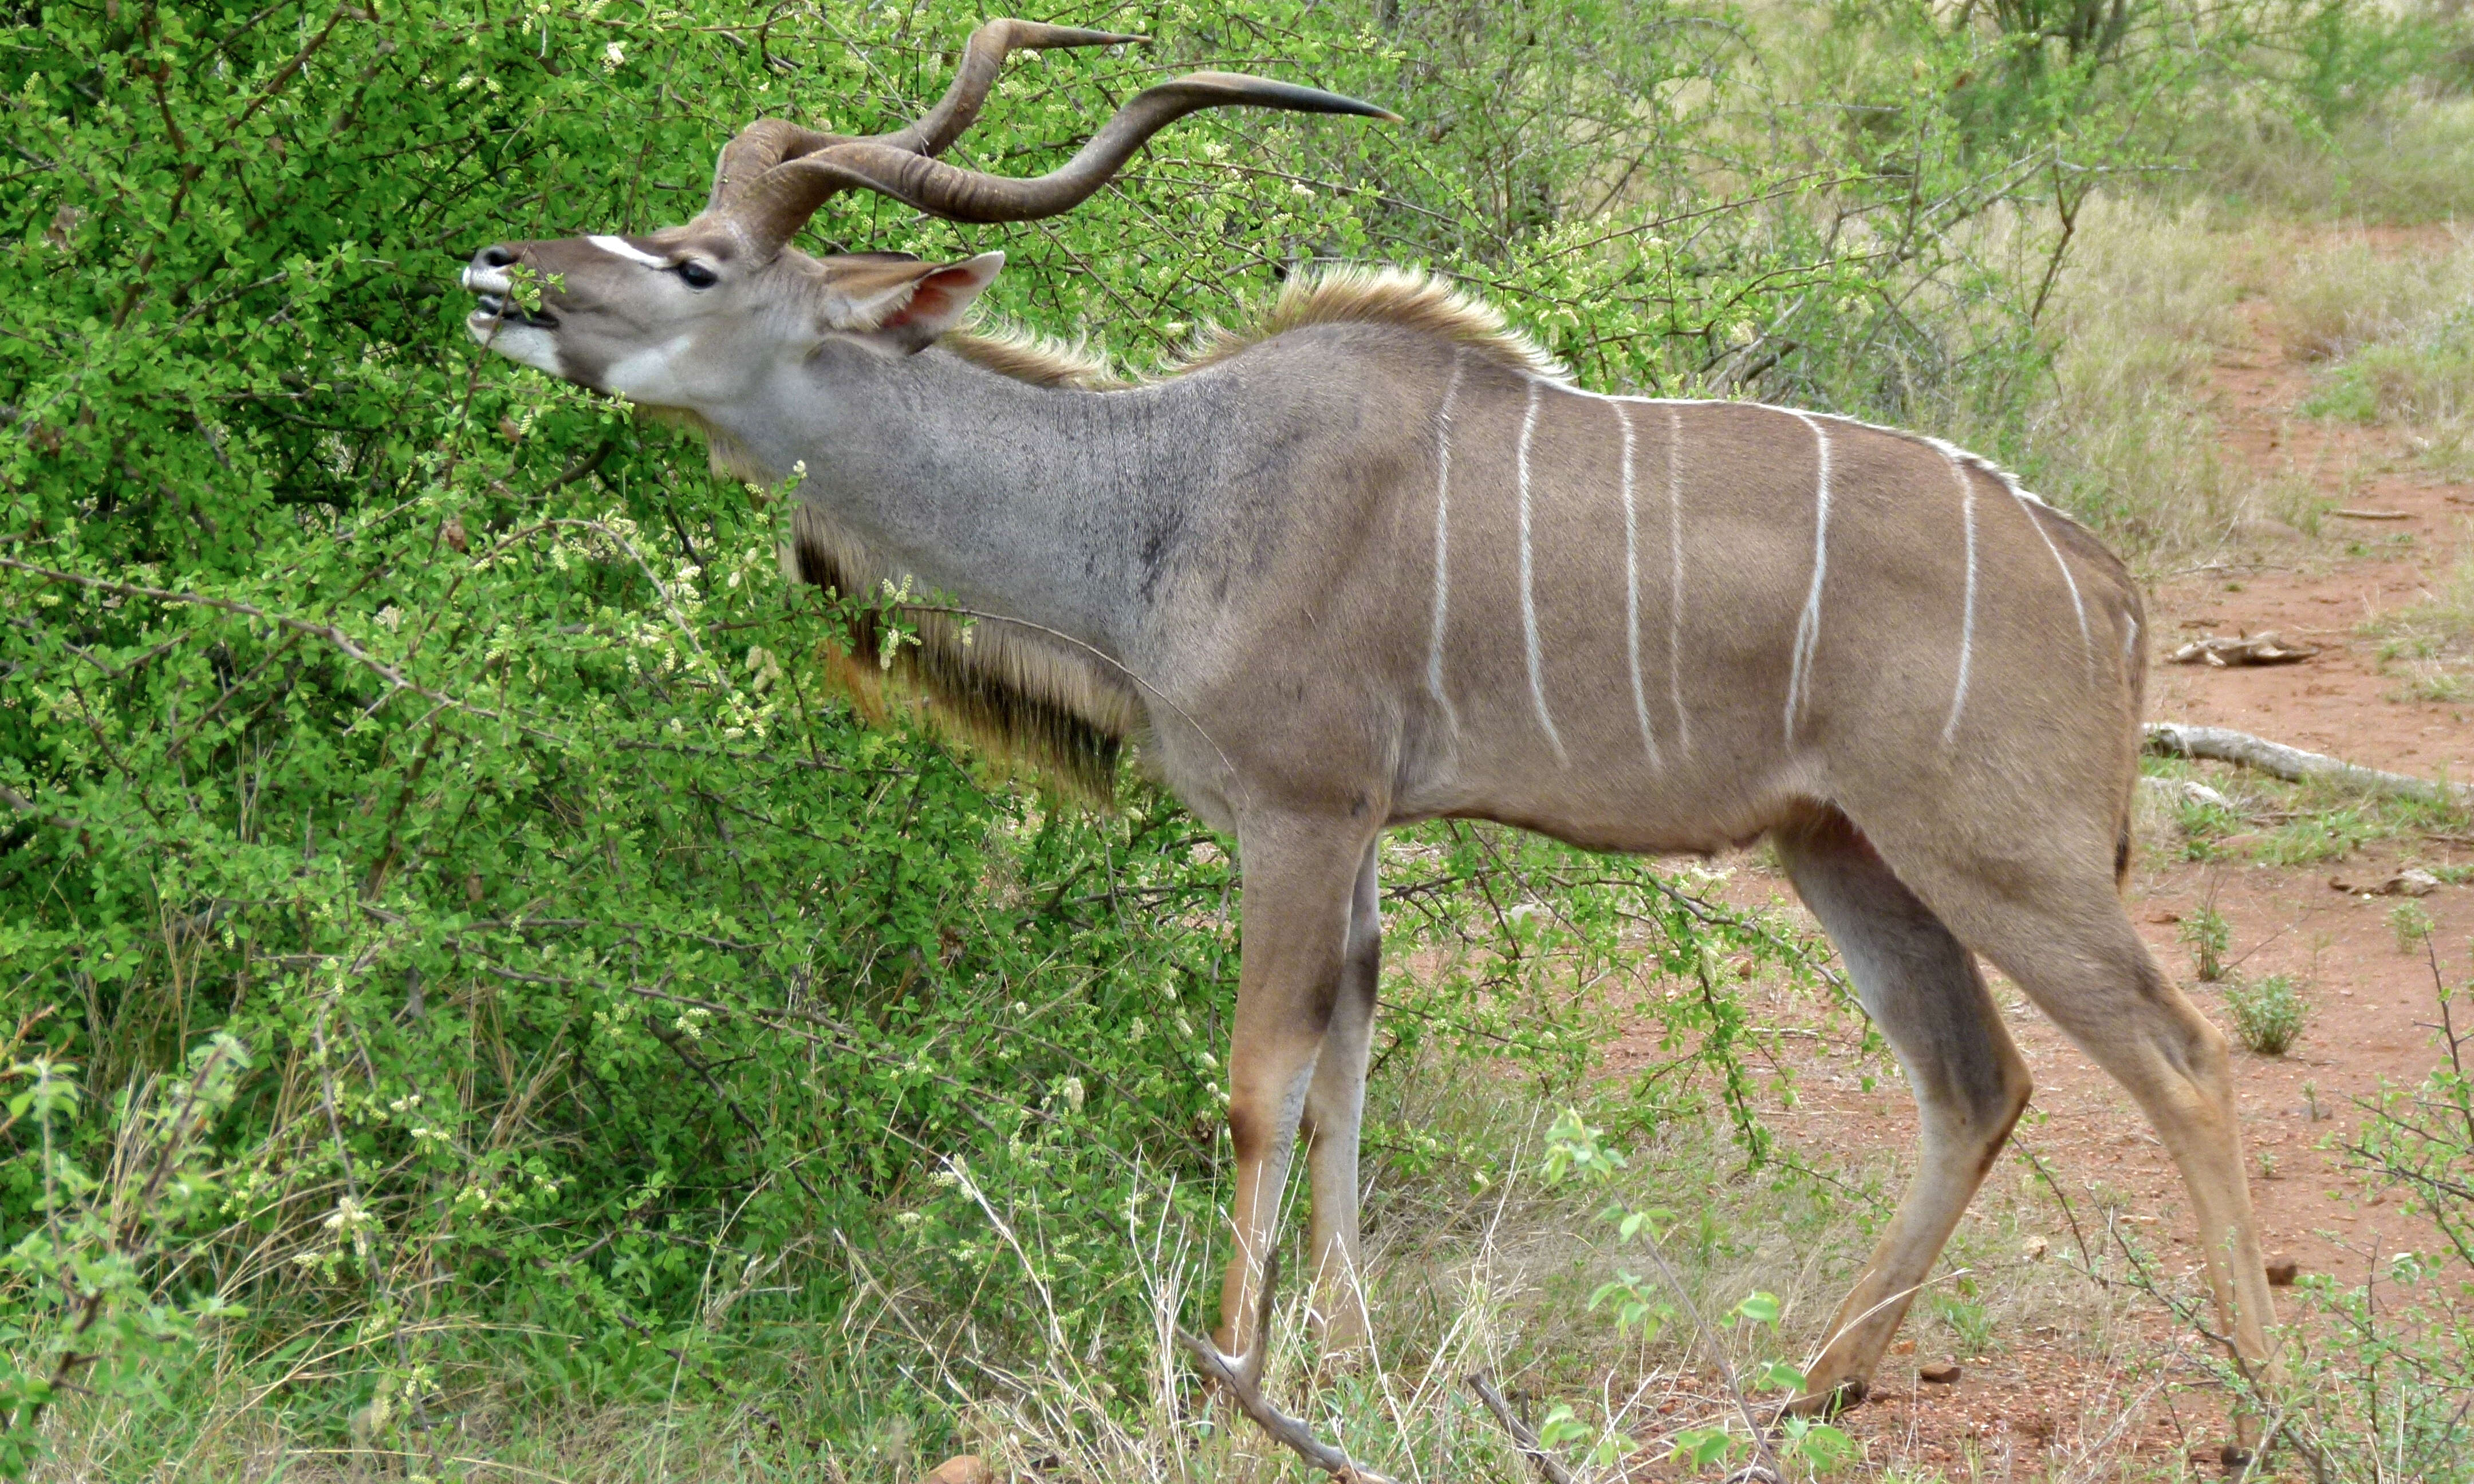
[1386,296]
[1337,296]
[1041,360]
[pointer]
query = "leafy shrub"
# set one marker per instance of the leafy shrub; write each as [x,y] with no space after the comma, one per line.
[442,739]
[2209,936]
[2409,923]
[433,745]
[2267,1014]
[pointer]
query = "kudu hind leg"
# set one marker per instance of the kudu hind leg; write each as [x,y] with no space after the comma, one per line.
[2072,948]
[1301,879]
[1923,988]
[1335,1107]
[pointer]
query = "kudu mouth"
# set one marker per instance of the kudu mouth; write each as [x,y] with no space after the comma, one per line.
[496,302]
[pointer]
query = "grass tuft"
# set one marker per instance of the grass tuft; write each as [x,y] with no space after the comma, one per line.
[2267,1014]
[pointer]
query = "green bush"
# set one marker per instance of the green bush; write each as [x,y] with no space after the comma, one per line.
[442,741]
[415,778]
[2267,1015]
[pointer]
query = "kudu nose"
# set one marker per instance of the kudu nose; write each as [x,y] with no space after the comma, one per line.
[487,273]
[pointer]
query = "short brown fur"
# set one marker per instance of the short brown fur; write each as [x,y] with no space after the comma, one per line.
[1386,564]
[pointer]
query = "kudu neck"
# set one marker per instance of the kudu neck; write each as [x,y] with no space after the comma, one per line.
[1052,506]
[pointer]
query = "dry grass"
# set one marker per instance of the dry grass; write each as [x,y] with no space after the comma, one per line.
[2429,644]
[2123,437]
[2404,164]
[1466,1273]
[2393,329]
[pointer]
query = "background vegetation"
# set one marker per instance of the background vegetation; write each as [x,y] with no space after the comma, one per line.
[465,980]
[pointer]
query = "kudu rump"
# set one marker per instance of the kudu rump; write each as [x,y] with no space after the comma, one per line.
[1377,560]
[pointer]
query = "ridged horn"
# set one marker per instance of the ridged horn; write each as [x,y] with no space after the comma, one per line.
[776,206]
[770,141]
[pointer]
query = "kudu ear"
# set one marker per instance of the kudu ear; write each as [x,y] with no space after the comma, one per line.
[922,301]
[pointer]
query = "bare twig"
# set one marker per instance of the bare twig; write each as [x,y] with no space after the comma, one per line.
[395,678]
[1290,1432]
[1549,1467]
[1717,1352]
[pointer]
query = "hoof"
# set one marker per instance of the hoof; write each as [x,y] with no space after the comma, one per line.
[2233,1455]
[1844,1397]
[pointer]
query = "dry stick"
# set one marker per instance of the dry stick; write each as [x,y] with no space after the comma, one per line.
[1718,1353]
[2247,1375]
[1288,1431]
[704,1073]
[1548,1466]
[2180,739]
[2087,1259]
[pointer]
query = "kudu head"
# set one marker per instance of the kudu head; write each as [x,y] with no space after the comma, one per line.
[689,316]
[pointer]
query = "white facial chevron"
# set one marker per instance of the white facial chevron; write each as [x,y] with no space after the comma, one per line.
[619,247]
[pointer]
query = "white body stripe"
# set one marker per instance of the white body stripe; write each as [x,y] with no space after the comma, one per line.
[1808,627]
[619,247]
[1632,590]
[2087,640]
[1528,580]
[1967,611]
[1675,578]
[1443,545]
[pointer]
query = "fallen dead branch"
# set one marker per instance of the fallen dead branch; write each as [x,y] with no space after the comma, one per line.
[2185,791]
[2408,882]
[2270,648]
[1241,1383]
[2223,744]
[1548,1467]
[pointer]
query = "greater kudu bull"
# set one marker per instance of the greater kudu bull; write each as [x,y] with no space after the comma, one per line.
[1377,560]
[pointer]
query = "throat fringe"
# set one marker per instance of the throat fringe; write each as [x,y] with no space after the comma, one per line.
[1011,691]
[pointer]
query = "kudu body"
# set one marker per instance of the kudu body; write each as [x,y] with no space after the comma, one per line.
[1379,561]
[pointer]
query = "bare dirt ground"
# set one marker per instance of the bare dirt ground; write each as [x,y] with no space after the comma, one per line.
[2036,1400]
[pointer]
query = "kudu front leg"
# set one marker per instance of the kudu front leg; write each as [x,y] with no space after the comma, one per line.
[1335,1108]
[1300,895]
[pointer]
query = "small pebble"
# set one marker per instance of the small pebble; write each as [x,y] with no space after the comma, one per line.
[1941,1372]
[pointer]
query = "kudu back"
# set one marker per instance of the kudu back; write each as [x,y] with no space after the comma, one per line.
[1376,560]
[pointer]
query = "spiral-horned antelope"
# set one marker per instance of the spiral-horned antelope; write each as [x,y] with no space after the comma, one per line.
[1376,560]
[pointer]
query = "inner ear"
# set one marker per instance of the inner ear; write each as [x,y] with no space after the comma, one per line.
[931,300]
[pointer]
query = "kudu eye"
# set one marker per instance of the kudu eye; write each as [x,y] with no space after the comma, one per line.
[696,275]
